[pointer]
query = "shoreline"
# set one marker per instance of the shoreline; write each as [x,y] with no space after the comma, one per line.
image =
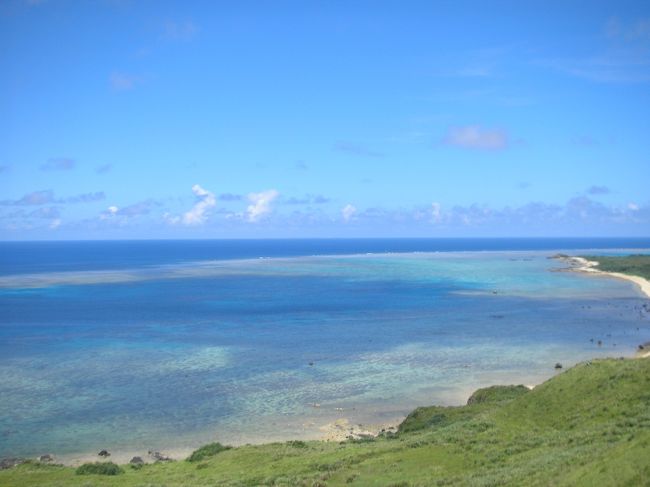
[343,428]
[580,264]
[339,430]
[336,431]
[590,267]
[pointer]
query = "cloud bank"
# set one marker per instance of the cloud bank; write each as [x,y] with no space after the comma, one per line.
[309,199]
[598,190]
[46,196]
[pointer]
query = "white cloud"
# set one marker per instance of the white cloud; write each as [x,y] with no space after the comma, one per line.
[436,215]
[110,212]
[205,201]
[348,212]
[633,206]
[476,137]
[128,212]
[260,204]
[54,224]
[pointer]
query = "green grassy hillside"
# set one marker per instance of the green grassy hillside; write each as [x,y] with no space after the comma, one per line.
[589,425]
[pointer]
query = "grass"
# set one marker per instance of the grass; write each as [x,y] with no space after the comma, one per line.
[589,425]
[634,265]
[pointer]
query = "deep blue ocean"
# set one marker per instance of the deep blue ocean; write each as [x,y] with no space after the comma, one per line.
[138,345]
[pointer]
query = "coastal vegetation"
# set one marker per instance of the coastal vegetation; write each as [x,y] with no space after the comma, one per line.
[99,468]
[207,451]
[588,425]
[634,265]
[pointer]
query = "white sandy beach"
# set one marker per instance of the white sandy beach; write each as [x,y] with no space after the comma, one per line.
[580,264]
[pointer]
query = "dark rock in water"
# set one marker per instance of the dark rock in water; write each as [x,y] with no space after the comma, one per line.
[559,256]
[6,463]
[159,456]
[641,347]
[46,458]
[311,364]
[558,365]
[104,453]
[137,461]
[600,343]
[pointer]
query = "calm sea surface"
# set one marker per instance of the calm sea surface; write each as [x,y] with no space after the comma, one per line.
[160,344]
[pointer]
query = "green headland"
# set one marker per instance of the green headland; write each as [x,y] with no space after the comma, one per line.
[633,265]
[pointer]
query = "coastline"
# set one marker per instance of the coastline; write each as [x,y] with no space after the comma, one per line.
[580,264]
[337,431]
[344,428]
[341,429]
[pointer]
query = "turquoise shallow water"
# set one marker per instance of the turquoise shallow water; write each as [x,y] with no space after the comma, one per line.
[241,350]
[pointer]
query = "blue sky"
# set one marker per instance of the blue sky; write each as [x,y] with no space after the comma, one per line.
[152,119]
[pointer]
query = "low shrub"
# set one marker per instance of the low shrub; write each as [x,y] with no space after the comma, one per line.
[496,394]
[297,444]
[99,468]
[206,451]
